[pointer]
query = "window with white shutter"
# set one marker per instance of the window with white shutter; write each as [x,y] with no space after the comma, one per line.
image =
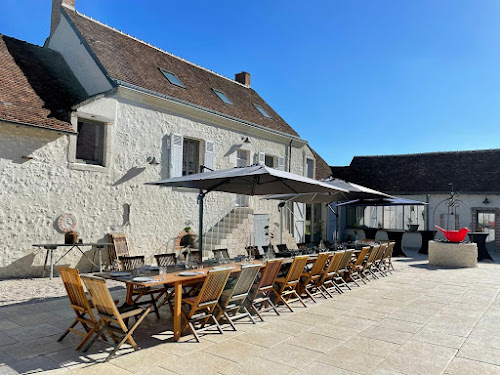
[281,164]
[262,158]
[209,156]
[176,146]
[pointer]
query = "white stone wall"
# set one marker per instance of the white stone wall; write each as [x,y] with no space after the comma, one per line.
[35,193]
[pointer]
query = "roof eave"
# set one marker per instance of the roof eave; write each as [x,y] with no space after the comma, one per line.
[208,110]
[19,123]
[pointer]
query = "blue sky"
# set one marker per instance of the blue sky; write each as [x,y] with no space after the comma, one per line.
[364,77]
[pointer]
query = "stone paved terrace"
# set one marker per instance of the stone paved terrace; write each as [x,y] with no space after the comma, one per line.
[419,320]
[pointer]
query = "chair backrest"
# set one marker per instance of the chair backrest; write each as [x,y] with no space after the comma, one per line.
[373,254]
[269,273]
[361,256]
[119,248]
[382,251]
[253,251]
[282,247]
[390,249]
[301,245]
[132,262]
[221,253]
[195,255]
[101,298]
[164,260]
[213,286]
[267,249]
[74,289]
[346,259]
[245,279]
[320,263]
[367,240]
[296,269]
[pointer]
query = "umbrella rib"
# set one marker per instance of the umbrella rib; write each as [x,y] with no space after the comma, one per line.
[288,186]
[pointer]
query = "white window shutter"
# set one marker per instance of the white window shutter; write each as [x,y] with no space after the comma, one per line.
[281,164]
[262,158]
[209,156]
[176,145]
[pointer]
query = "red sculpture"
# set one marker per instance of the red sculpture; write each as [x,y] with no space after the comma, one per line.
[454,235]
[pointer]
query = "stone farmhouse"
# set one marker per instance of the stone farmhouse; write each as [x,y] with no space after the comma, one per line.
[92,115]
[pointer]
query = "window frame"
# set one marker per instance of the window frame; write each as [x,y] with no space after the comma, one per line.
[81,165]
[166,73]
[200,153]
[221,94]
[262,111]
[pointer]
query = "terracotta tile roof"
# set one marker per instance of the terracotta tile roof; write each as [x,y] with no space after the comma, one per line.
[130,60]
[36,86]
[322,168]
[469,171]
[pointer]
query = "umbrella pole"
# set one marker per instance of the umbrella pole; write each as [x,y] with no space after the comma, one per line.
[201,195]
[336,222]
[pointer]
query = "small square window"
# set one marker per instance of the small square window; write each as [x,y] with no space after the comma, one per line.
[269,160]
[90,143]
[222,96]
[262,110]
[172,78]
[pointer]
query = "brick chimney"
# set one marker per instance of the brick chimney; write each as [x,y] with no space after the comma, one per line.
[243,78]
[56,12]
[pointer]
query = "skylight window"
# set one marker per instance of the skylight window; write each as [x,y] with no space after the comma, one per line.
[172,78]
[222,96]
[262,111]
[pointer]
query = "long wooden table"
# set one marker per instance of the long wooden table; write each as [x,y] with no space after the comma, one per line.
[177,280]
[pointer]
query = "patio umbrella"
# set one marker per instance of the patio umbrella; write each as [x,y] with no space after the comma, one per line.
[354,191]
[385,201]
[253,180]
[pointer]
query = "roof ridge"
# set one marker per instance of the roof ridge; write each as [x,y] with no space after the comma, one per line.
[428,153]
[156,48]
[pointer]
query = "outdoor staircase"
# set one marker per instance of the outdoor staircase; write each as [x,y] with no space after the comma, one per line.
[232,231]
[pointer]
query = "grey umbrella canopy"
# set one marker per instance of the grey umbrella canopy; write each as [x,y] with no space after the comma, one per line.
[354,191]
[385,201]
[253,180]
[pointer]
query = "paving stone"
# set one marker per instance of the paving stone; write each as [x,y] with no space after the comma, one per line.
[351,360]
[463,366]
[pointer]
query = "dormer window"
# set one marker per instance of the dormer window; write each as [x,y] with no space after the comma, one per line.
[262,110]
[222,96]
[172,78]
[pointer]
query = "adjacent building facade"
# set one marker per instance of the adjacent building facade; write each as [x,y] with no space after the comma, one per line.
[429,177]
[86,120]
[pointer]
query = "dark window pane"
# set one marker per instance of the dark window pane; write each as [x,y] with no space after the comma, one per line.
[190,157]
[89,142]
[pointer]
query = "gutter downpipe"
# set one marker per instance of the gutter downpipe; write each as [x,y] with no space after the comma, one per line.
[290,156]
[427,199]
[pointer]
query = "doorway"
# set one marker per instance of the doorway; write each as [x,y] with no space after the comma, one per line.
[260,228]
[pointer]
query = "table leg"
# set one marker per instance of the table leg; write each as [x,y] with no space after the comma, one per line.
[100,259]
[177,311]
[51,264]
[45,263]
[130,294]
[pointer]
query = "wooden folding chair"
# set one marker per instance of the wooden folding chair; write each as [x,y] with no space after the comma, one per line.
[221,253]
[119,249]
[327,281]
[79,303]
[288,284]
[130,263]
[165,260]
[378,261]
[367,267]
[356,271]
[260,297]
[310,281]
[387,258]
[343,270]
[231,300]
[201,307]
[111,317]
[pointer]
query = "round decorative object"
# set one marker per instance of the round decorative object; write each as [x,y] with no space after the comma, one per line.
[66,222]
